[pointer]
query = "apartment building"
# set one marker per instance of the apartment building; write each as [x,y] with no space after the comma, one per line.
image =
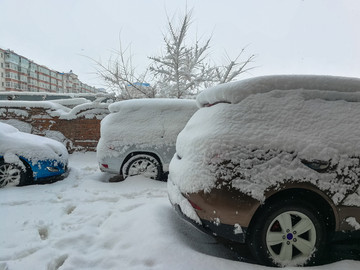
[17,73]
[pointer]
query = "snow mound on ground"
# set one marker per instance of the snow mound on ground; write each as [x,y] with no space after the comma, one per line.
[261,140]
[85,222]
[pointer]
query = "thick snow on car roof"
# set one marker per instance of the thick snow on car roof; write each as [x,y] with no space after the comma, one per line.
[144,123]
[153,104]
[234,92]
[261,140]
[14,143]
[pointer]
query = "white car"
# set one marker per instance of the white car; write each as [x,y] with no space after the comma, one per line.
[30,159]
[138,136]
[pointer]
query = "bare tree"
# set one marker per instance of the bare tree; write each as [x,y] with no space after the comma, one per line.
[233,68]
[181,71]
[120,76]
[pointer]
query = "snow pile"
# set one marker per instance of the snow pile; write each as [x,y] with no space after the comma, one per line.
[85,222]
[144,123]
[261,141]
[14,143]
[17,112]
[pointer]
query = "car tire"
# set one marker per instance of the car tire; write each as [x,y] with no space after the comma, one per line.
[11,175]
[288,233]
[143,164]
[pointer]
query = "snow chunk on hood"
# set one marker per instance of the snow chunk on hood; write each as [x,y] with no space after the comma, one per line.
[32,147]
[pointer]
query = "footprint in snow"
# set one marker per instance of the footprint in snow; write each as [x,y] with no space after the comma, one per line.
[69,209]
[43,233]
[57,263]
[131,207]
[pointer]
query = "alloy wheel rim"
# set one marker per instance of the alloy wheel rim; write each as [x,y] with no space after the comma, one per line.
[291,238]
[9,175]
[143,167]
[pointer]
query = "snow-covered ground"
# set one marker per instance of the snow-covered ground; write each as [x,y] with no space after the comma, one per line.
[86,222]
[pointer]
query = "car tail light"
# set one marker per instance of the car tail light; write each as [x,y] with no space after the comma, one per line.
[194,205]
[105,165]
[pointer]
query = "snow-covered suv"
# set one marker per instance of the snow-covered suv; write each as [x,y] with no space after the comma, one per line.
[273,161]
[138,136]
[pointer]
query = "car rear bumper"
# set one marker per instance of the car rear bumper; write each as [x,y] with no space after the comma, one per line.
[225,231]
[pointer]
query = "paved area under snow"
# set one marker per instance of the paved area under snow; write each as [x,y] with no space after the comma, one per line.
[85,222]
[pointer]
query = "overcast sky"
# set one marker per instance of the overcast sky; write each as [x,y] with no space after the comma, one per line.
[287,36]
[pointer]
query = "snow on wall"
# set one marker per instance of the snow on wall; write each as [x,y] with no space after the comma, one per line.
[260,141]
[17,112]
[88,110]
[71,102]
[77,128]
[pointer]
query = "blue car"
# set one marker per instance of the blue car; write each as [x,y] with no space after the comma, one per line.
[30,159]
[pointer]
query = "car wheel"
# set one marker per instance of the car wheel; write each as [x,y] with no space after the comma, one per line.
[288,233]
[11,175]
[145,165]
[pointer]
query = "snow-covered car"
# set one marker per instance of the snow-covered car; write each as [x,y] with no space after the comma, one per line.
[138,136]
[30,159]
[273,162]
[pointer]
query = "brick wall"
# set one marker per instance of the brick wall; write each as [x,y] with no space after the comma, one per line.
[79,134]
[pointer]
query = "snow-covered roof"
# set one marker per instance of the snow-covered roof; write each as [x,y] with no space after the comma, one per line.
[234,92]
